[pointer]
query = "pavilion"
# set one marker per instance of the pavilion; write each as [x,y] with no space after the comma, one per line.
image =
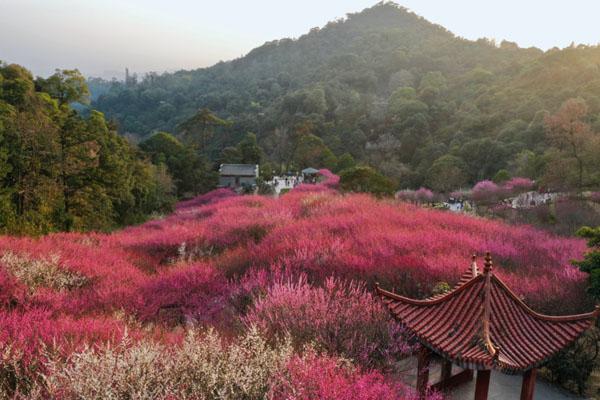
[482,325]
[309,175]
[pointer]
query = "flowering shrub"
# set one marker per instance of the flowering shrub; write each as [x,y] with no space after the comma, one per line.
[203,367]
[326,378]
[461,194]
[202,200]
[330,179]
[25,338]
[36,273]
[192,294]
[518,185]
[342,318]
[487,192]
[424,195]
[225,261]
[406,195]
[11,292]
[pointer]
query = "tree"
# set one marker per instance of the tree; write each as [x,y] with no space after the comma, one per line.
[230,155]
[250,151]
[447,173]
[591,261]
[403,103]
[344,162]
[484,157]
[311,151]
[501,176]
[200,127]
[78,159]
[569,132]
[490,100]
[61,171]
[527,164]
[190,171]
[67,86]
[365,179]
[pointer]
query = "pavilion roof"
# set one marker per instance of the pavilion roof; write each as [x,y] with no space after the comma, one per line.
[310,171]
[482,324]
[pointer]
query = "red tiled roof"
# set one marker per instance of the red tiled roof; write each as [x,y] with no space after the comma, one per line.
[482,324]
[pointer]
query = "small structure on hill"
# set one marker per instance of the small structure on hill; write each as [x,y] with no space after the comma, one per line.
[532,199]
[482,325]
[310,175]
[454,205]
[238,176]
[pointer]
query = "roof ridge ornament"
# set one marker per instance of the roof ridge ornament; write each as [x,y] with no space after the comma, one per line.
[474,270]
[487,306]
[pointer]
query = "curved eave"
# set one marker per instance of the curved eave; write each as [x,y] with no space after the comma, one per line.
[482,357]
[429,301]
[550,318]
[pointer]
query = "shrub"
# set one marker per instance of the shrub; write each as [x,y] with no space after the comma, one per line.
[206,263]
[424,195]
[11,292]
[518,185]
[326,378]
[330,179]
[25,339]
[341,317]
[487,192]
[192,294]
[406,195]
[202,367]
[36,273]
[461,194]
[204,199]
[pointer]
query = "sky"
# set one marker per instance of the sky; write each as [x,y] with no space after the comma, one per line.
[103,37]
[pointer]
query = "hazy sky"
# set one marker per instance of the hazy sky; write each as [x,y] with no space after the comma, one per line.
[102,37]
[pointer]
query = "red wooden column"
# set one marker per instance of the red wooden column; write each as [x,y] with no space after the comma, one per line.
[446,371]
[423,359]
[528,385]
[482,385]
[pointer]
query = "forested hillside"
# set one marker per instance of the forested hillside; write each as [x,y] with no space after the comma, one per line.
[387,88]
[60,171]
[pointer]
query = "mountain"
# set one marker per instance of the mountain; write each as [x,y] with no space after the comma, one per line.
[383,85]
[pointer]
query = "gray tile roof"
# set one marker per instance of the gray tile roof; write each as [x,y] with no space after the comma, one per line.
[238,170]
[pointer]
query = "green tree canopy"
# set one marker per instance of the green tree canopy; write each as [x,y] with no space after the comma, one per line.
[365,179]
[311,151]
[447,173]
[67,86]
[591,261]
[344,162]
[61,171]
[200,127]
[190,171]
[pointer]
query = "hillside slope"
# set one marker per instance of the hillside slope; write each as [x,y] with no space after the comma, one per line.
[304,264]
[384,85]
